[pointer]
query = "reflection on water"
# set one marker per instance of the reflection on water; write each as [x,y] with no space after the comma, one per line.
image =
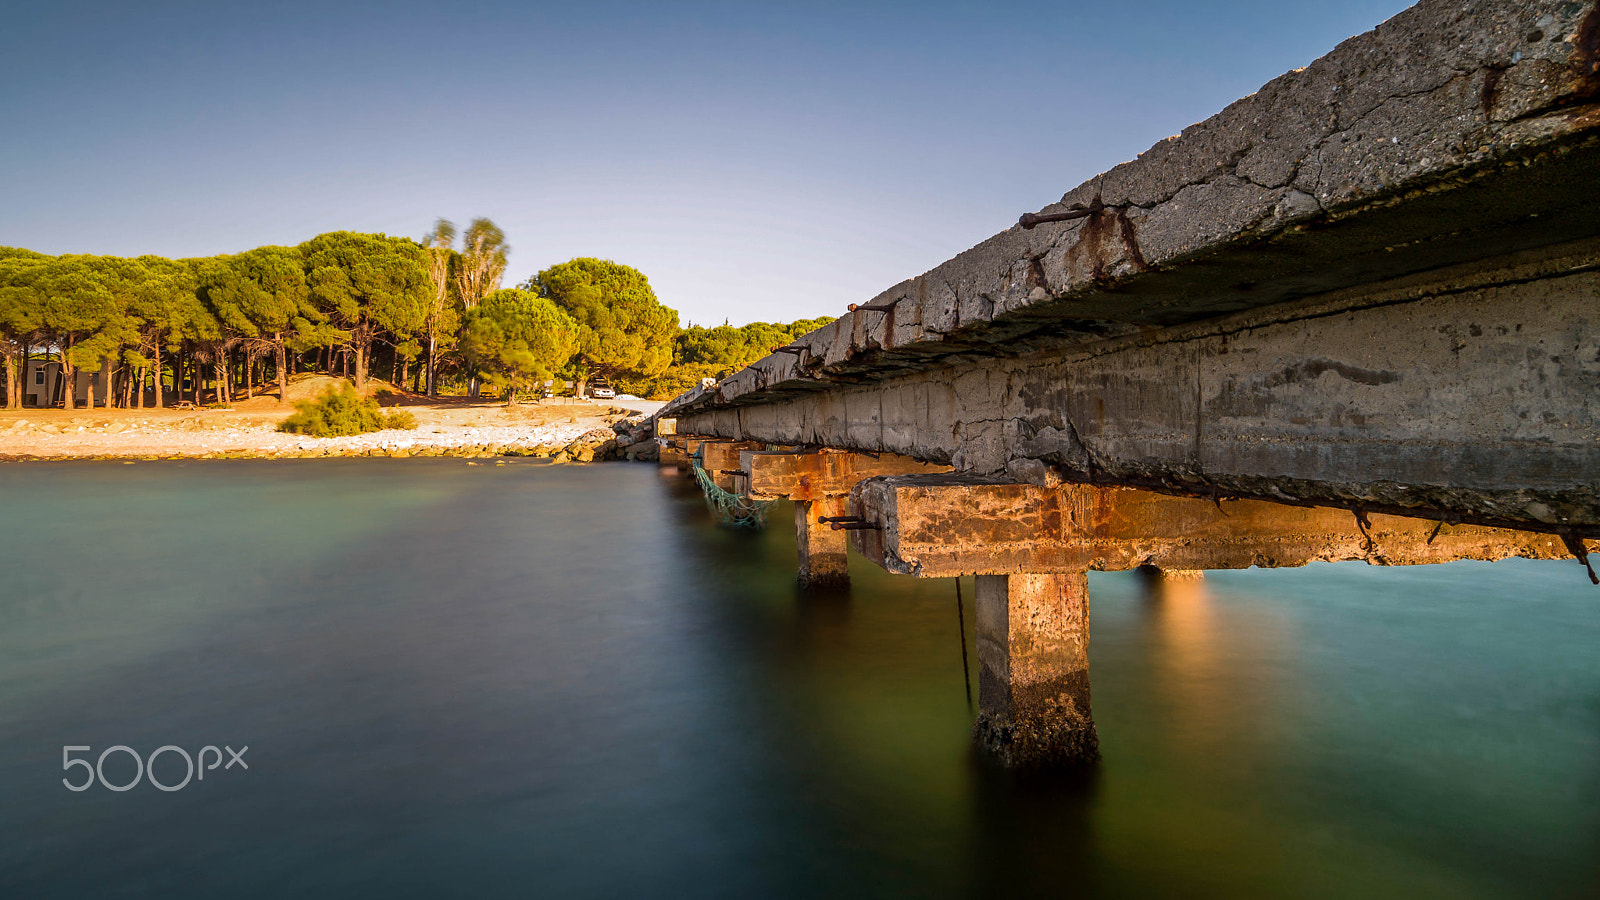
[1214,681]
[525,679]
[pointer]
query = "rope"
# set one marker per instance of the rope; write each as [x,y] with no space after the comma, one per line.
[961,626]
[730,510]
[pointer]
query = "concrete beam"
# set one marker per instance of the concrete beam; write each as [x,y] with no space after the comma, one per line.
[812,474]
[1462,395]
[677,449]
[687,444]
[721,458]
[939,526]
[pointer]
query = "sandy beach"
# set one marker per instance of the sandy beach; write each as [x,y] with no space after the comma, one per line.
[447,426]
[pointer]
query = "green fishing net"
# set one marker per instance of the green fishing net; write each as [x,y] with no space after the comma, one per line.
[731,510]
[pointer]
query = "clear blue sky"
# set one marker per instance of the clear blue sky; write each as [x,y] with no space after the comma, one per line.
[755,160]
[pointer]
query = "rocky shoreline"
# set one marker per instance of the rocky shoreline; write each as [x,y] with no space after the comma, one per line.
[190,438]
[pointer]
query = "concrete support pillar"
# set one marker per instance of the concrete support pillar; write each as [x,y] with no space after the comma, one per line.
[823,563]
[1033,678]
[666,455]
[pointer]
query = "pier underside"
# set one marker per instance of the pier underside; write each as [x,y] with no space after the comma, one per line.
[1031,547]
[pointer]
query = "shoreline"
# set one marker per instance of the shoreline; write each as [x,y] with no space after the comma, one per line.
[562,432]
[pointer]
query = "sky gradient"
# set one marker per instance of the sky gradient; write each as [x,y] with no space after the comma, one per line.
[756,161]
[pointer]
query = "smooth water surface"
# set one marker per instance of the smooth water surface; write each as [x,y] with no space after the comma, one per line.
[526,680]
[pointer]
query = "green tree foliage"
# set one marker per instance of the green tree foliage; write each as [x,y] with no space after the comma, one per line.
[701,353]
[367,284]
[624,331]
[215,325]
[219,318]
[339,413]
[483,261]
[734,348]
[674,381]
[445,305]
[261,296]
[84,311]
[21,313]
[516,339]
[168,310]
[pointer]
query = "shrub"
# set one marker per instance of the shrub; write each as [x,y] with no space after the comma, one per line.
[338,413]
[399,418]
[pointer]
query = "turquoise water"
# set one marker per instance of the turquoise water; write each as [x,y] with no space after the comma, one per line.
[526,680]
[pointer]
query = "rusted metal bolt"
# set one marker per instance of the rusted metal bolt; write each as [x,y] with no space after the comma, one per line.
[1078,211]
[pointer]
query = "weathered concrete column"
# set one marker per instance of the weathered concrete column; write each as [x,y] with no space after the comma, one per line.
[819,483]
[824,562]
[1033,670]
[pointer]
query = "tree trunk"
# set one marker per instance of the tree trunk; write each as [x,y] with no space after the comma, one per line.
[69,378]
[13,395]
[362,348]
[433,389]
[405,372]
[283,372]
[155,368]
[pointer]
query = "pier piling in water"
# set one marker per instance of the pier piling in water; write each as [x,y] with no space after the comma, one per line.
[823,557]
[1033,670]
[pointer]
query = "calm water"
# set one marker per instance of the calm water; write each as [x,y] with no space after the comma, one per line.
[524,680]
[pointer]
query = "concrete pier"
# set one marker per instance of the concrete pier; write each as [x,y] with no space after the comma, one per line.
[1350,317]
[1033,670]
[822,549]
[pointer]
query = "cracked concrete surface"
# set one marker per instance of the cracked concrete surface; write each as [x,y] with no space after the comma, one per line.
[1419,202]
